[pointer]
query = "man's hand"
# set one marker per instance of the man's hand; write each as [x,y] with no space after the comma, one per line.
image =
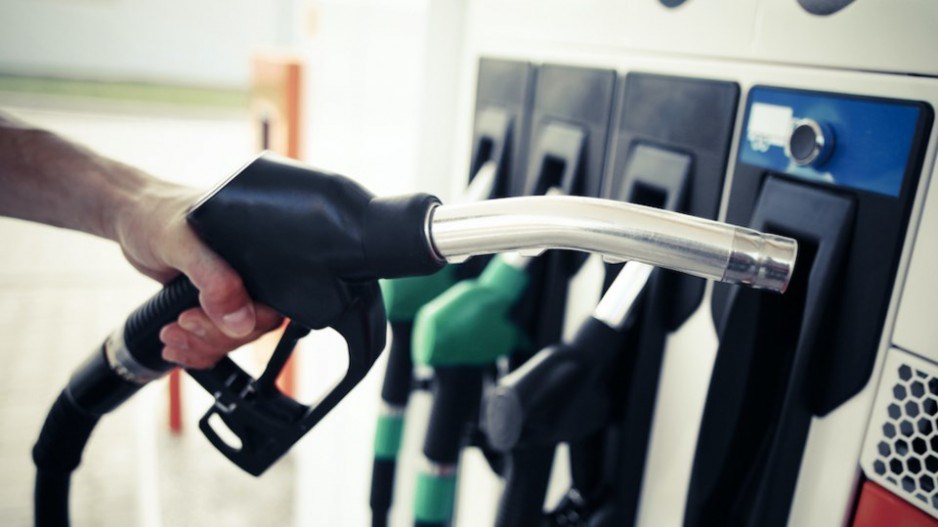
[155,238]
[48,179]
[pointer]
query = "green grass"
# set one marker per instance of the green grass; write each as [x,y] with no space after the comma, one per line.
[127,91]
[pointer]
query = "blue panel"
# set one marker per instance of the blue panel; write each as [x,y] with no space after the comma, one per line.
[873,137]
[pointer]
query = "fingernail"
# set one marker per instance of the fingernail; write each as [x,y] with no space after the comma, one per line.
[170,356]
[192,327]
[239,323]
[174,340]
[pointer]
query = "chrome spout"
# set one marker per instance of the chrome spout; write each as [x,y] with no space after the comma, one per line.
[616,230]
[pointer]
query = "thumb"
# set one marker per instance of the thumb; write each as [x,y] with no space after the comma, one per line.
[221,291]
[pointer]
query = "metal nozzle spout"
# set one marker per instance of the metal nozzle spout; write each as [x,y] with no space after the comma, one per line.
[763,261]
[617,230]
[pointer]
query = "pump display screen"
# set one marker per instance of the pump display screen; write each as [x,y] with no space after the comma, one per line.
[862,143]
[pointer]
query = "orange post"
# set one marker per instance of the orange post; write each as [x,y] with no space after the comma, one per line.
[175,401]
[275,107]
[276,92]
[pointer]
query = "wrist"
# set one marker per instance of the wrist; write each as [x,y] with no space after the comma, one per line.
[127,199]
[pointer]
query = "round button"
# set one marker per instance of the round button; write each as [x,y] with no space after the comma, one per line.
[809,143]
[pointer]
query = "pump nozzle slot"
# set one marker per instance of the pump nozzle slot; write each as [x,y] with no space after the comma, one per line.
[688,244]
[760,403]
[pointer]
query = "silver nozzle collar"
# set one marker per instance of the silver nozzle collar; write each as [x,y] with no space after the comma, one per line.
[124,364]
[762,261]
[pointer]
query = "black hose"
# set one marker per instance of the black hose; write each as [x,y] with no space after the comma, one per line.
[395,392]
[57,454]
[94,390]
[528,472]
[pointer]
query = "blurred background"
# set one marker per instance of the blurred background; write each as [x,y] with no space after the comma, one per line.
[189,91]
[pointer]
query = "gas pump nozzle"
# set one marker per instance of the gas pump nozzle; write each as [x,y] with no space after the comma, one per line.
[312,245]
[618,231]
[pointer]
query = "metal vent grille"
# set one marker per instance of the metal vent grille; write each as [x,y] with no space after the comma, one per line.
[901,450]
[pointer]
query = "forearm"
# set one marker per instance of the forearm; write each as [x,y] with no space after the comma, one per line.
[48,179]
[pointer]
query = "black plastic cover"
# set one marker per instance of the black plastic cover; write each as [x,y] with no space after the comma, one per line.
[687,116]
[759,405]
[870,272]
[501,126]
[569,128]
[578,100]
[664,123]
[311,245]
[785,359]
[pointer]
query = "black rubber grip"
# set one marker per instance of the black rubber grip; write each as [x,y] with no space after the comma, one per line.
[522,503]
[457,391]
[563,394]
[395,392]
[96,389]
[56,454]
[395,238]
[382,491]
[399,374]
[142,329]
[51,499]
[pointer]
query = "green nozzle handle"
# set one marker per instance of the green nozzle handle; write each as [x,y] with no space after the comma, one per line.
[403,297]
[469,324]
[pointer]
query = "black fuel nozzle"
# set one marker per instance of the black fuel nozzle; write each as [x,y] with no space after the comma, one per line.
[307,243]
[562,393]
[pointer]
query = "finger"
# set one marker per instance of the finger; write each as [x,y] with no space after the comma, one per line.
[267,319]
[187,359]
[196,321]
[190,351]
[221,291]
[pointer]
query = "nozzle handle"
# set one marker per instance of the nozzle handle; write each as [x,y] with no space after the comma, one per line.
[141,332]
[265,422]
[131,356]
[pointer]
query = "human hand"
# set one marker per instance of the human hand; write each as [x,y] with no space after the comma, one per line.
[157,241]
[49,179]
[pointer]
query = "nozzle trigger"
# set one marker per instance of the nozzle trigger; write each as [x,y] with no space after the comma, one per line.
[252,423]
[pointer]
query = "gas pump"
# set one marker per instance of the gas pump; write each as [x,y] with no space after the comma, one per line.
[502,100]
[863,443]
[462,333]
[596,392]
[839,174]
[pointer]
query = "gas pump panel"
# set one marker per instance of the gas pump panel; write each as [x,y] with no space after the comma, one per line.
[569,126]
[762,401]
[500,132]
[838,173]
[595,391]
[569,129]
[671,148]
